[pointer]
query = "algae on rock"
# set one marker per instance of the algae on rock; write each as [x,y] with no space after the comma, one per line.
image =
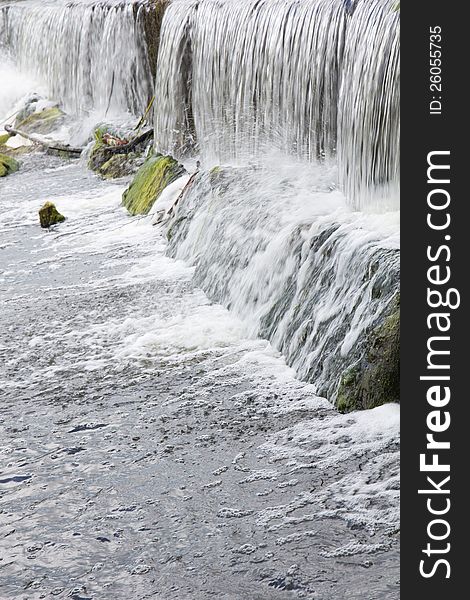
[49,215]
[8,165]
[119,165]
[4,139]
[151,179]
[375,380]
[41,122]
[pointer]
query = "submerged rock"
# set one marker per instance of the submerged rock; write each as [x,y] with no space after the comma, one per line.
[151,179]
[375,380]
[8,165]
[49,215]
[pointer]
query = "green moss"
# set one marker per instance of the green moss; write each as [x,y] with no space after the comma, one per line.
[4,139]
[376,379]
[41,122]
[119,165]
[49,215]
[151,179]
[8,165]
[346,400]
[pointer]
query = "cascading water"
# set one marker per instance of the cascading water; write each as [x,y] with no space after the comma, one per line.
[91,55]
[284,253]
[309,92]
[369,104]
[315,79]
[152,445]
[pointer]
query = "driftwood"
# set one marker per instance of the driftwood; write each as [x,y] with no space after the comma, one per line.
[49,146]
[58,147]
[126,148]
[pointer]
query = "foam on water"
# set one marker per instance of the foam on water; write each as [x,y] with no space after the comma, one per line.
[281,248]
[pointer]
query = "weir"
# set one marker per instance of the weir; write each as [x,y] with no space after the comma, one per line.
[93,56]
[301,98]
[316,79]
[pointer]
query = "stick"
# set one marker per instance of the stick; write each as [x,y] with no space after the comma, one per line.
[57,146]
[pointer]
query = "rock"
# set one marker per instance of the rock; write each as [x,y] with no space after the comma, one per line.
[376,379]
[119,165]
[152,17]
[4,139]
[42,122]
[151,179]
[111,165]
[49,215]
[8,165]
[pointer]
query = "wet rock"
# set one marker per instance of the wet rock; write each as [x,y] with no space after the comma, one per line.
[106,158]
[152,178]
[375,380]
[49,215]
[4,138]
[99,154]
[8,165]
[43,121]
[119,165]
[152,17]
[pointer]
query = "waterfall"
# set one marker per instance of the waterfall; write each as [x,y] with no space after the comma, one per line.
[317,79]
[91,55]
[283,252]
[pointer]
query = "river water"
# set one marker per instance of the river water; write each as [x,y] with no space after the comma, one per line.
[149,449]
[151,446]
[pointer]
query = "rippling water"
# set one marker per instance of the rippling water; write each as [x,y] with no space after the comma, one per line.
[149,447]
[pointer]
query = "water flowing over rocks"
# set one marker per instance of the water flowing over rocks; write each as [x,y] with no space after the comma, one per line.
[316,79]
[317,280]
[150,448]
[173,355]
[93,56]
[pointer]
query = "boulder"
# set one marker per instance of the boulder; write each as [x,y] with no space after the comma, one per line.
[151,179]
[49,215]
[375,380]
[106,137]
[42,122]
[4,138]
[8,165]
[119,165]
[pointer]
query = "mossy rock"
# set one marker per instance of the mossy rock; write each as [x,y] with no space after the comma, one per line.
[8,165]
[376,379]
[49,215]
[42,122]
[100,153]
[151,179]
[98,156]
[4,139]
[119,165]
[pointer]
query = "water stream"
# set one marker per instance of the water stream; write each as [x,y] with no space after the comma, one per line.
[163,426]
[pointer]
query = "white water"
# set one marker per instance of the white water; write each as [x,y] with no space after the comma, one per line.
[91,55]
[286,254]
[315,79]
[212,452]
